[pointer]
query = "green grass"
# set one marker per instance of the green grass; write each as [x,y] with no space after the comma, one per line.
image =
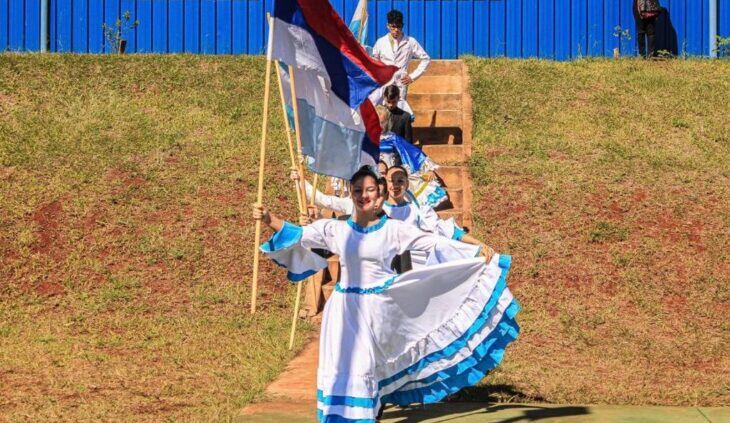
[125,238]
[607,180]
[125,241]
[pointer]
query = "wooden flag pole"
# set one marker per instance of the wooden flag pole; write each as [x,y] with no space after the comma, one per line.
[290,142]
[297,129]
[260,192]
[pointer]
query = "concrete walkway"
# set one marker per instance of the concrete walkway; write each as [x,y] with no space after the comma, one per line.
[504,413]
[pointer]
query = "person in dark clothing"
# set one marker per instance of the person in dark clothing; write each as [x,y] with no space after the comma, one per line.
[645,14]
[400,121]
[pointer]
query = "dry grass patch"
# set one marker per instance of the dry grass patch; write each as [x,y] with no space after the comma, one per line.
[608,183]
[125,238]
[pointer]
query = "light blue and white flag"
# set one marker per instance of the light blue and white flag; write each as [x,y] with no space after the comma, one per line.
[359,22]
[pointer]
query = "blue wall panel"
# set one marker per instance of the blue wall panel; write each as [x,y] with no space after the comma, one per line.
[176,27]
[560,29]
[530,28]
[465,25]
[80,39]
[208,26]
[32,25]
[159,26]
[256,21]
[497,30]
[432,22]
[240,27]
[4,24]
[514,28]
[16,34]
[595,27]
[144,29]
[191,26]
[546,29]
[481,28]
[449,28]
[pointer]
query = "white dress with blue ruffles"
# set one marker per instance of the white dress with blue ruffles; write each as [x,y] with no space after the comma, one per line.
[399,339]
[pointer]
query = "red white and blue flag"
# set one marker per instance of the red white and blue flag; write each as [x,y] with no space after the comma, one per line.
[340,130]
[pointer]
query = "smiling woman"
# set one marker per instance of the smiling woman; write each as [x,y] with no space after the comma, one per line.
[388,338]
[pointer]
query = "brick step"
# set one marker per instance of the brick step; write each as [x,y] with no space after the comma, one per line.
[444,154]
[433,118]
[422,101]
[436,84]
[426,135]
[327,290]
[439,67]
[456,197]
[452,176]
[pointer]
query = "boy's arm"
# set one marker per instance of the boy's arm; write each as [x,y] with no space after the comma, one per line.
[332,202]
[419,54]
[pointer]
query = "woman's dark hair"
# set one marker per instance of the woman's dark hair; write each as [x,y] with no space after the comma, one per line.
[395,17]
[391,92]
[383,185]
[364,172]
[399,167]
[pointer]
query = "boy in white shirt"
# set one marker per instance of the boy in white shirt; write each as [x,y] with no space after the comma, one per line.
[399,49]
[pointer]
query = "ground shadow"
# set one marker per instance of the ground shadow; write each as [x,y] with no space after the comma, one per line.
[480,400]
[453,411]
[666,34]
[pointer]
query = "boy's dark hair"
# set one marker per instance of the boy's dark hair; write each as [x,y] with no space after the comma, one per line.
[395,17]
[392,92]
[364,172]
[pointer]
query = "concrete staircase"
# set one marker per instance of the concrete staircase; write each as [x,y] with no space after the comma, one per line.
[443,125]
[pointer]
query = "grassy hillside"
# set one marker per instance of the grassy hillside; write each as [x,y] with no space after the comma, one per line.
[125,237]
[125,242]
[609,183]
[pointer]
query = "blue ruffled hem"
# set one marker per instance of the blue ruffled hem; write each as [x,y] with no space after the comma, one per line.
[345,400]
[487,356]
[284,238]
[505,262]
[436,197]
[373,290]
[336,418]
[458,233]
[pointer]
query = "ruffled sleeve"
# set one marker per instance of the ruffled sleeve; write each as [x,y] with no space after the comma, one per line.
[450,229]
[428,220]
[288,249]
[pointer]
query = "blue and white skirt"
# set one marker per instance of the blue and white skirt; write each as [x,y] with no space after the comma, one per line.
[428,334]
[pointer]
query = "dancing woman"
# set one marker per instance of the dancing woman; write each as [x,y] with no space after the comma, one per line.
[400,339]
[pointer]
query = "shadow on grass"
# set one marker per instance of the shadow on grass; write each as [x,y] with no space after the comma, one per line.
[512,413]
[473,405]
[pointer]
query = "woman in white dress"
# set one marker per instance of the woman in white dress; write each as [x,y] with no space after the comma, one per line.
[406,208]
[398,339]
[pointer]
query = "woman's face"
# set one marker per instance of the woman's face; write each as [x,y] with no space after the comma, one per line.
[397,183]
[365,194]
[382,168]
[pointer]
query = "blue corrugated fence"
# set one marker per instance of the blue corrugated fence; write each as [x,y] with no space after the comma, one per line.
[555,29]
